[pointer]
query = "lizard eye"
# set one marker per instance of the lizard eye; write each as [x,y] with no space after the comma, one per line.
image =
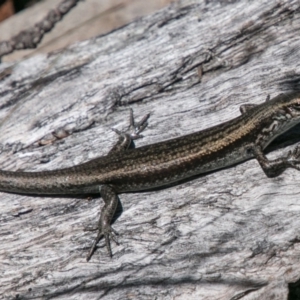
[297,105]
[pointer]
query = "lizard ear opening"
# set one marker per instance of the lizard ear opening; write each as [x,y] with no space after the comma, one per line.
[296,104]
[246,107]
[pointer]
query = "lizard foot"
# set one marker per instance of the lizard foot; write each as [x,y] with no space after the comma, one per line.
[293,158]
[108,233]
[135,128]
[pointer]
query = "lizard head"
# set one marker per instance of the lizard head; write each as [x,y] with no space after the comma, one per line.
[291,104]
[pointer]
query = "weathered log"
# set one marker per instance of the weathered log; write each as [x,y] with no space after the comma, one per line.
[232,234]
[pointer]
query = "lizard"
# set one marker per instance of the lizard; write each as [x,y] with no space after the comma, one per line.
[126,169]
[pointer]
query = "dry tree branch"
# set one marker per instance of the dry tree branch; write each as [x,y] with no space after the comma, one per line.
[30,38]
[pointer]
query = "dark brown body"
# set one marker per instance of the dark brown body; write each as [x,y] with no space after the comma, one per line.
[165,162]
[156,165]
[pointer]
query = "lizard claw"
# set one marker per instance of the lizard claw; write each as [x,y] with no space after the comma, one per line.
[136,128]
[293,158]
[108,233]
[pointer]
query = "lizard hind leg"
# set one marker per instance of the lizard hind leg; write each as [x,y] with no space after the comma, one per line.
[107,192]
[133,132]
[104,228]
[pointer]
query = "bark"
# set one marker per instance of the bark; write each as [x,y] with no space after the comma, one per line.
[232,234]
[31,37]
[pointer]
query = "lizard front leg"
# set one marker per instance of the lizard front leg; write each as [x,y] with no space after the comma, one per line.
[108,193]
[273,168]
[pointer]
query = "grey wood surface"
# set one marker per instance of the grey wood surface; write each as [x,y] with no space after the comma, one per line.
[87,19]
[232,234]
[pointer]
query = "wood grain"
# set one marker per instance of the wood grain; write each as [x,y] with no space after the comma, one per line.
[232,234]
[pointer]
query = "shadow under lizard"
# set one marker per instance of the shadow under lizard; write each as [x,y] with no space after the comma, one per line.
[167,162]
